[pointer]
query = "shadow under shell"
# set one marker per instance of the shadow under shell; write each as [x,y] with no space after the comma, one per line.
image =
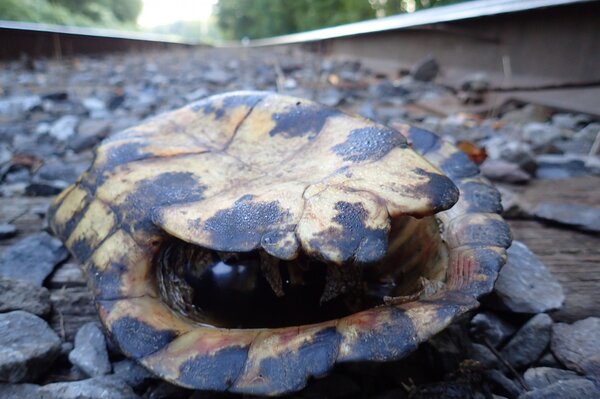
[254,289]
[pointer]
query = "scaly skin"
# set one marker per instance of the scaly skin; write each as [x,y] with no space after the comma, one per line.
[251,170]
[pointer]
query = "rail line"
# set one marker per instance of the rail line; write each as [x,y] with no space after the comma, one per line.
[543,49]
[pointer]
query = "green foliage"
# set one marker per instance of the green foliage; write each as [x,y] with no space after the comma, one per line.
[264,18]
[100,13]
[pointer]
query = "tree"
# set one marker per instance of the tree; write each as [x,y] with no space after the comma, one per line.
[263,18]
[103,13]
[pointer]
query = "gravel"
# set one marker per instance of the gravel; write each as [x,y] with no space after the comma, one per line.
[28,346]
[529,342]
[22,295]
[577,345]
[90,353]
[32,258]
[525,285]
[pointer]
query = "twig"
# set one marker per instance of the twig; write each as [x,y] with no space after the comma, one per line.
[507,364]
[18,216]
[280,80]
[61,322]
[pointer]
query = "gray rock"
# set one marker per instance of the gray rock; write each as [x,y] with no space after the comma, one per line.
[64,127]
[19,391]
[514,206]
[426,70]
[217,77]
[528,344]
[12,190]
[107,387]
[331,97]
[569,121]
[503,385]
[97,128]
[540,134]
[22,295]
[525,285]
[5,154]
[513,151]
[89,133]
[59,170]
[19,104]
[554,167]
[569,389]
[487,325]
[132,373]
[503,171]
[529,113]
[592,163]
[540,377]
[7,231]
[16,176]
[196,95]
[28,346]
[582,141]
[477,82]
[93,104]
[387,89]
[577,345]
[32,258]
[69,274]
[90,353]
[66,348]
[580,217]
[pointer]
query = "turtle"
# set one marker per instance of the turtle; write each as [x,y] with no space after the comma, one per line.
[250,241]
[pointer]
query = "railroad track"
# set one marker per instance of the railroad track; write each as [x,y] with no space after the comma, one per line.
[524,46]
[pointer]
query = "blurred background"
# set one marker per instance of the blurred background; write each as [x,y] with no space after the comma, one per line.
[208,20]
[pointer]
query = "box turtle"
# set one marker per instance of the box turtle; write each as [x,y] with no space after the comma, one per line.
[250,241]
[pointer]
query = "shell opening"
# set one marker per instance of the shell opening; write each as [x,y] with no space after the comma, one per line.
[256,290]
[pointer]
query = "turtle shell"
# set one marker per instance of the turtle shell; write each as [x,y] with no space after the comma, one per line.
[254,172]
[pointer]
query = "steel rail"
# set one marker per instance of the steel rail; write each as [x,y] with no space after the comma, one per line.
[436,15]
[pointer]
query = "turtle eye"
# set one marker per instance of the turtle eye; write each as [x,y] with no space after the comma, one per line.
[254,289]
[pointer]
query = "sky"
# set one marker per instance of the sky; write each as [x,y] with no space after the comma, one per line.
[162,12]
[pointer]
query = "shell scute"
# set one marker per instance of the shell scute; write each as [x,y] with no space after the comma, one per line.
[284,359]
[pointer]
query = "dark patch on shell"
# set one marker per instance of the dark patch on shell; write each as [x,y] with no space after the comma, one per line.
[138,339]
[369,143]
[423,141]
[107,284]
[397,335]
[290,370]
[458,165]
[441,188]
[64,232]
[242,225]
[213,372]
[82,249]
[228,102]
[489,262]
[301,120]
[481,197]
[123,154]
[162,190]
[492,232]
[355,239]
